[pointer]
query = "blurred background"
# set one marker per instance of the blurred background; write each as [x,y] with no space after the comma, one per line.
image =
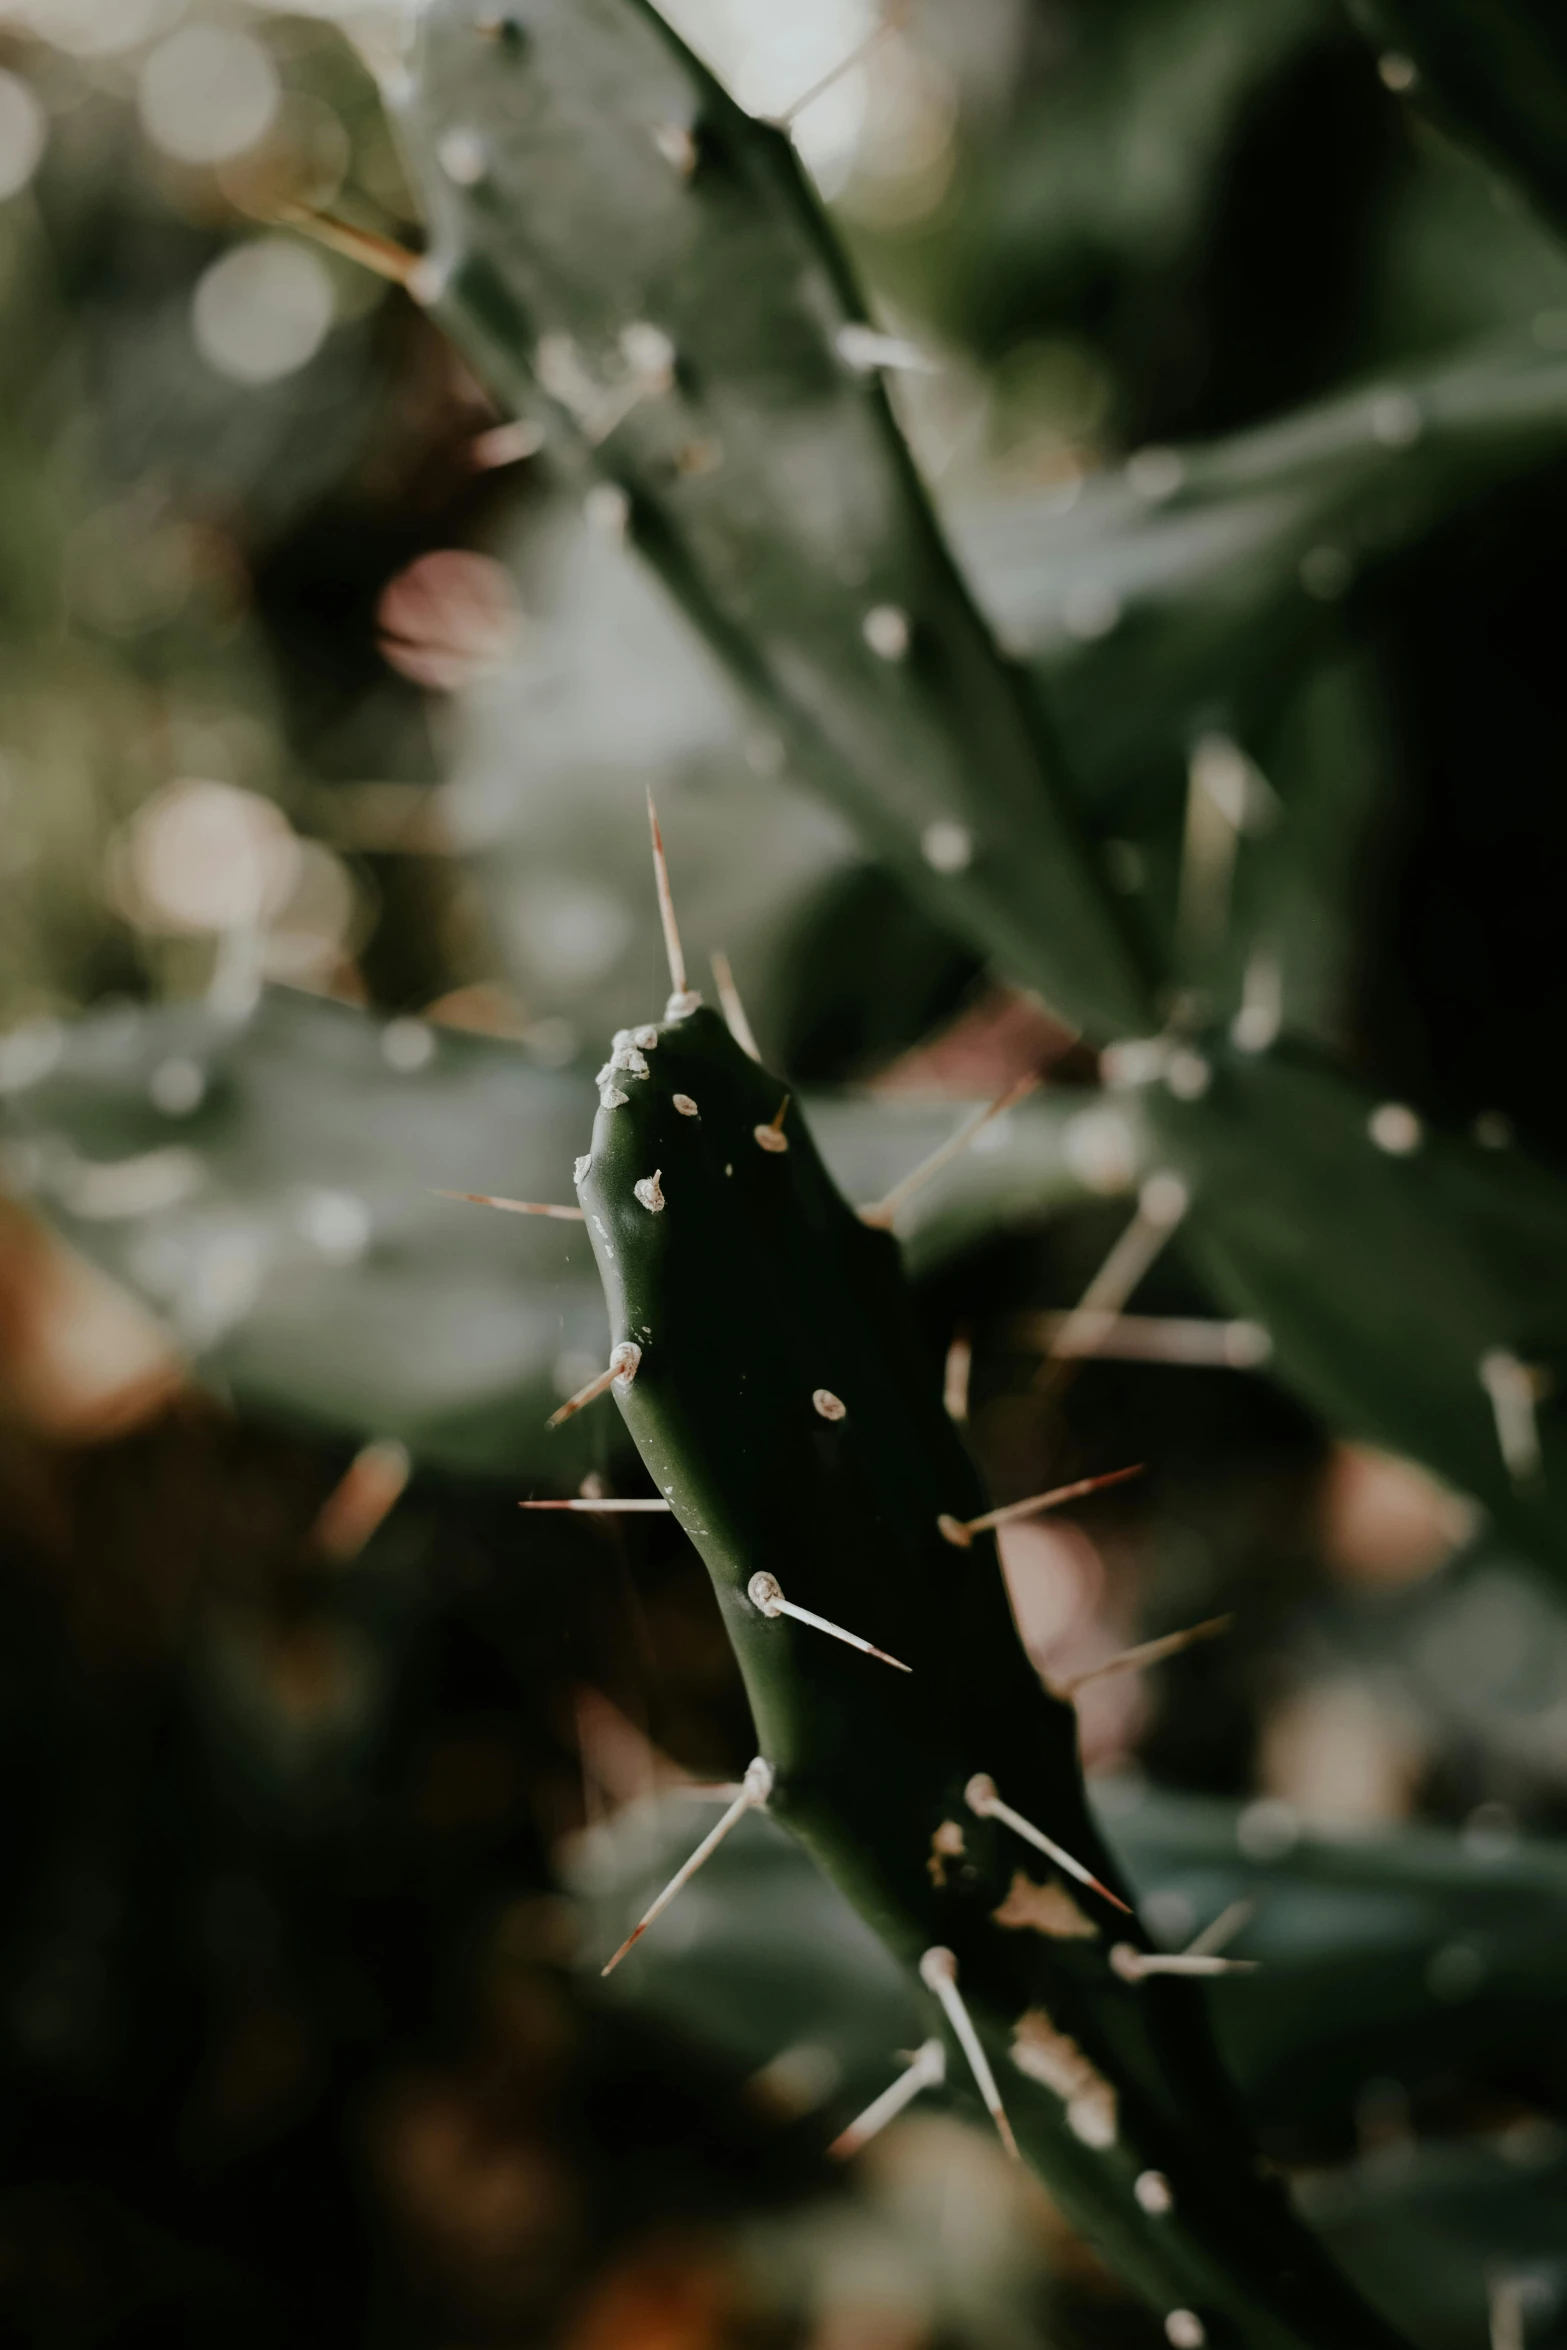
[325,725]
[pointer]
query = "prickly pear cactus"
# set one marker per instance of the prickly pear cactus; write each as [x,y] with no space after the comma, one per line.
[774,1381]
[619,247]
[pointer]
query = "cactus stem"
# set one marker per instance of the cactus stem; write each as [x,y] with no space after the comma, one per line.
[757,1788]
[1132,1964]
[1514,1389]
[681,998]
[766,1594]
[1161,1203]
[598,1507]
[939,1973]
[772,1137]
[926,2069]
[623,1364]
[513,1207]
[980,1795]
[884,1213]
[732,1008]
[381,254]
[1147,1652]
[960,1532]
[892,18]
[368,1490]
[955,1376]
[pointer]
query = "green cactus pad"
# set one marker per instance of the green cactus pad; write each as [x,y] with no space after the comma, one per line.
[779,1396]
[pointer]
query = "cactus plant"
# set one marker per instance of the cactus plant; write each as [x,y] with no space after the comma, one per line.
[589,186]
[627,254]
[1198,552]
[690,321]
[623,250]
[778,1978]
[772,1377]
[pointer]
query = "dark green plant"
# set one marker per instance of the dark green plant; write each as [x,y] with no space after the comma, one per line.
[772,1375]
[677,300]
[621,249]
[1361,1944]
[1059,757]
[1216,577]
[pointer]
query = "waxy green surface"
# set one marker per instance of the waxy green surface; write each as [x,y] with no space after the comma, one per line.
[752,1290]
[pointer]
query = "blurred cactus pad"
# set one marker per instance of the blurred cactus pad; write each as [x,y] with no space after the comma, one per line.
[1007,1780]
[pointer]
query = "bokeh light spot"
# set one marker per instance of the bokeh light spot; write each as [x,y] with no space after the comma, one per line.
[448,618]
[204,857]
[262,310]
[23,130]
[207,93]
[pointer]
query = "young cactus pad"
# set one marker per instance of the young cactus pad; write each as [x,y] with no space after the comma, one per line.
[780,1396]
